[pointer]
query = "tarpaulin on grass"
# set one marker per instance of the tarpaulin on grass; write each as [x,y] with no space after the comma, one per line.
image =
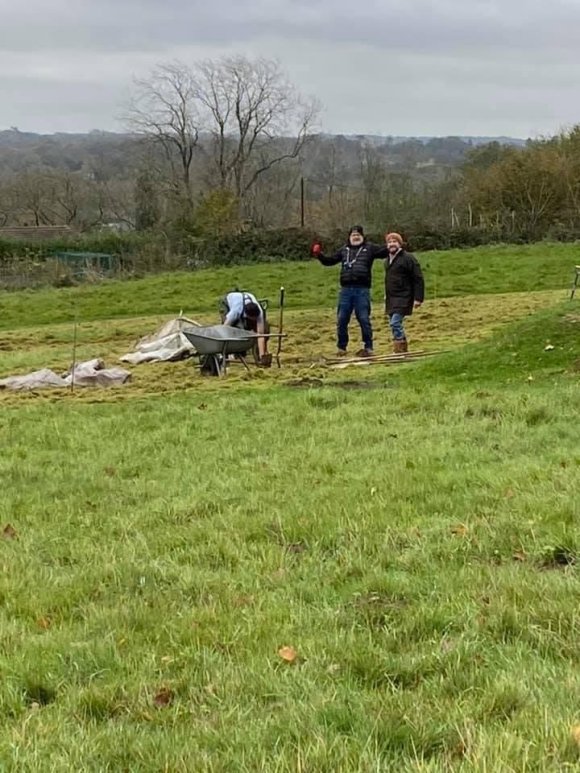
[86,374]
[168,344]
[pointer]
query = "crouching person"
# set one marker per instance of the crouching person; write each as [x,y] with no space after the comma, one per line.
[404,289]
[244,311]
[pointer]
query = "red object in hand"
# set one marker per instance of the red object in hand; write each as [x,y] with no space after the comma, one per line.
[316,249]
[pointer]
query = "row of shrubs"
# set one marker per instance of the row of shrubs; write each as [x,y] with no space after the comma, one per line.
[139,253]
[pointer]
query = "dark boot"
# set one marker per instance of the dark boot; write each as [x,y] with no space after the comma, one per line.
[365,353]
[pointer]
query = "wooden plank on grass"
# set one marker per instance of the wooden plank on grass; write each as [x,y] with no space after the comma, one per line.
[386,358]
[369,361]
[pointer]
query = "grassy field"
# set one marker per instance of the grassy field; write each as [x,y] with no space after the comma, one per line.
[295,570]
[309,285]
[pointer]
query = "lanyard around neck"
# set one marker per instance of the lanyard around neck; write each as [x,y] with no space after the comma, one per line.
[348,262]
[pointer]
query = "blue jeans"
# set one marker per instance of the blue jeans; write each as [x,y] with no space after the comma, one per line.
[357,299]
[397,329]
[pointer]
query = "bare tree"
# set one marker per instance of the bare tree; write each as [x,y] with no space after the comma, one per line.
[53,197]
[164,110]
[244,114]
[275,198]
[255,116]
[8,203]
[373,178]
[64,196]
[32,197]
[324,157]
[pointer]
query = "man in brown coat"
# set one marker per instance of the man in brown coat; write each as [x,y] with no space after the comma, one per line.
[404,288]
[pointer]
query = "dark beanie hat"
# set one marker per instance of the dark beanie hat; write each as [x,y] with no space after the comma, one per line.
[356,229]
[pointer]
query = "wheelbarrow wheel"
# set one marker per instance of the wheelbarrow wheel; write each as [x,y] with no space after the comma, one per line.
[210,364]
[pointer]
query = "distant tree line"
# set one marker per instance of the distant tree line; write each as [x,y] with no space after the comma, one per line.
[217,152]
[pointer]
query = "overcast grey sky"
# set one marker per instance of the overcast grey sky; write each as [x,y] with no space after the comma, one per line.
[408,67]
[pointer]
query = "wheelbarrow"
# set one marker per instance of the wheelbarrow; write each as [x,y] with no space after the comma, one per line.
[215,343]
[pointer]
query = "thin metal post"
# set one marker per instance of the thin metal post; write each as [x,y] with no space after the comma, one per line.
[74,355]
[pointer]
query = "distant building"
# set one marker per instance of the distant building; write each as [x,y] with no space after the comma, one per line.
[117,227]
[36,233]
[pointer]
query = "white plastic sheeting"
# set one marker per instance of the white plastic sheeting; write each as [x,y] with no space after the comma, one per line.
[168,344]
[86,374]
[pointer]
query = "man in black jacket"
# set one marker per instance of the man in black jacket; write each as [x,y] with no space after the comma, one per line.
[356,258]
[404,288]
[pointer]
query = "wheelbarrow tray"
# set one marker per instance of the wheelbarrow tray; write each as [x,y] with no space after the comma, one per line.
[220,339]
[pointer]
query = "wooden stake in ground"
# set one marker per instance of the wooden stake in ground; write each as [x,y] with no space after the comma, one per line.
[74,354]
[280,324]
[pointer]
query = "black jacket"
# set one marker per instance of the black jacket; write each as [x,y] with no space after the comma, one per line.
[403,284]
[356,263]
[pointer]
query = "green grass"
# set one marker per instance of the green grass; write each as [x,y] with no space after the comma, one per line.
[411,532]
[455,273]
[411,560]
[546,344]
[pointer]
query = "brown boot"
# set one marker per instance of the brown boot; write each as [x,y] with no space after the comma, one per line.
[400,347]
[341,352]
[365,353]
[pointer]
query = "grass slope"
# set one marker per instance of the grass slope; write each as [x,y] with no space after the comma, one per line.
[413,543]
[444,324]
[544,344]
[454,273]
[410,533]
